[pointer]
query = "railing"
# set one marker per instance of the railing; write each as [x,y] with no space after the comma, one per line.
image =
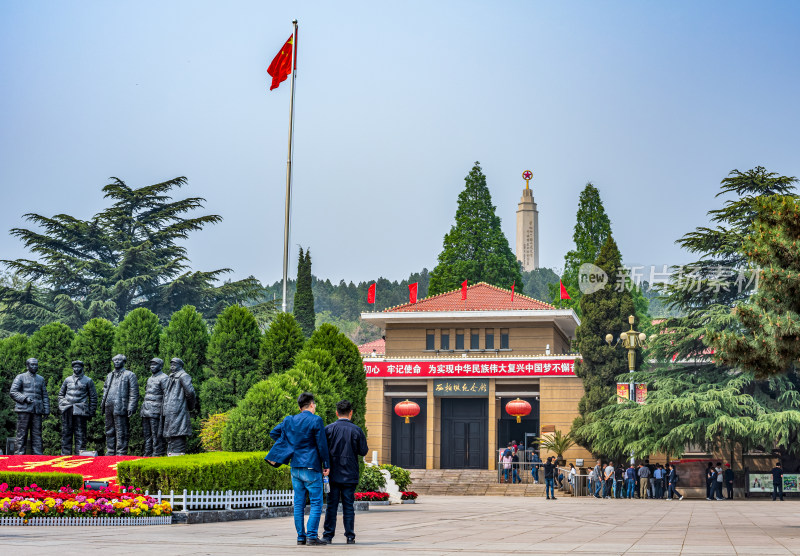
[527,472]
[228,500]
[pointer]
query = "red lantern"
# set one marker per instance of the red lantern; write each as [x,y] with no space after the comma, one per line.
[518,408]
[407,409]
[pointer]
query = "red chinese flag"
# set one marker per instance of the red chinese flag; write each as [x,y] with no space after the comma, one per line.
[512,291]
[464,290]
[281,66]
[412,292]
[564,294]
[371,294]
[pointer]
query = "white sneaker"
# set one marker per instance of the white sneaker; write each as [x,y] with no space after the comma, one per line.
[681,498]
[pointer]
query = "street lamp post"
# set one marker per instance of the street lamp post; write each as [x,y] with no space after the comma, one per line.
[630,340]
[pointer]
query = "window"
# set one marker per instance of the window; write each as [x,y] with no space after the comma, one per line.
[474,339]
[430,340]
[490,338]
[460,338]
[444,342]
[504,338]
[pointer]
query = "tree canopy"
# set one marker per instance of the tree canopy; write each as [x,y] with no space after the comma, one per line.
[124,257]
[475,248]
[304,296]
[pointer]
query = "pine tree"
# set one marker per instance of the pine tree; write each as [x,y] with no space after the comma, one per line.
[348,361]
[280,344]
[592,229]
[94,345]
[605,311]
[186,337]
[50,345]
[13,353]
[232,360]
[304,296]
[137,338]
[124,257]
[766,340]
[475,248]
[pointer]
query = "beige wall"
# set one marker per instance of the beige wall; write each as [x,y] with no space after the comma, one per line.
[558,406]
[379,422]
[408,340]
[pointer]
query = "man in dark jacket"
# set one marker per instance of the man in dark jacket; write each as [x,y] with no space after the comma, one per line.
[301,439]
[549,478]
[729,477]
[120,399]
[179,398]
[32,403]
[347,444]
[777,482]
[77,402]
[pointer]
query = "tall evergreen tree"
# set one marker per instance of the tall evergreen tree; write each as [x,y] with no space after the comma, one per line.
[280,344]
[124,257]
[232,360]
[94,345]
[13,353]
[304,296]
[605,311]
[137,338]
[475,248]
[50,345]
[592,229]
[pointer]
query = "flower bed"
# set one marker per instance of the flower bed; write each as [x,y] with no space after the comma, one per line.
[410,495]
[111,502]
[372,496]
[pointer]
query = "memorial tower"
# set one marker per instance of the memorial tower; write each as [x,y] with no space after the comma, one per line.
[527,227]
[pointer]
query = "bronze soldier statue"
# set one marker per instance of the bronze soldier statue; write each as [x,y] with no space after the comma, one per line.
[120,398]
[77,402]
[32,402]
[151,410]
[179,398]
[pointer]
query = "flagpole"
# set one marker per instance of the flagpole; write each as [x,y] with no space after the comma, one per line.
[289,172]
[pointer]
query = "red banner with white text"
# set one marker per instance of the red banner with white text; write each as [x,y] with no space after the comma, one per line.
[484,368]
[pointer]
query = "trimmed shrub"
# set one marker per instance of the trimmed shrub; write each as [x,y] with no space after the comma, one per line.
[211,432]
[371,480]
[211,471]
[400,476]
[281,342]
[45,481]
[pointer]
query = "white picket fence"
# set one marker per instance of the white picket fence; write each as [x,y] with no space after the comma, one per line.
[227,500]
[87,521]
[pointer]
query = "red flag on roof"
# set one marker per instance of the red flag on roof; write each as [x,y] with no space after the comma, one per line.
[564,294]
[512,291]
[464,290]
[412,292]
[371,294]
[281,66]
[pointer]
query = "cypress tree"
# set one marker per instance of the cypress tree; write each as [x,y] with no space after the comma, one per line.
[475,248]
[232,360]
[186,337]
[94,344]
[50,345]
[605,311]
[304,297]
[282,340]
[13,353]
[137,338]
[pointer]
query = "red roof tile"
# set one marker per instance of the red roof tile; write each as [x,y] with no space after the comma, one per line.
[378,345]
[480,297]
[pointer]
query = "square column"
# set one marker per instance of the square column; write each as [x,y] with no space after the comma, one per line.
[379,422]
[492,428]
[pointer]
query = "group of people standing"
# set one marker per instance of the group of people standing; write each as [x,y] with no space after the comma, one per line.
[716,477]
[644,480]
[316,451]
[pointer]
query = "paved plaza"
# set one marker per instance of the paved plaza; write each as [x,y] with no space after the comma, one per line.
[462,524]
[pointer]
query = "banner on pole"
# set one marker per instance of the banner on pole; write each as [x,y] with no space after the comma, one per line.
[641,392]
[623,392]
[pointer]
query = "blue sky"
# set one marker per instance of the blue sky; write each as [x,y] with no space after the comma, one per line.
[654,102]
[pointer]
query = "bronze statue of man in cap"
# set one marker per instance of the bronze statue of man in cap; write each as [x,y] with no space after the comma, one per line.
[77,402]
[120,398]
[179,399]
[151,410]
[29,392]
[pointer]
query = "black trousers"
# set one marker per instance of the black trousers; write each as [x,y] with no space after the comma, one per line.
[73,426]
[176,444]
[346,492]
[777,490]
[729,487]
[29,424]
[117,433]
[153,442]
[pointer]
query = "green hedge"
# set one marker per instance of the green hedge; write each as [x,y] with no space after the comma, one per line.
[46,481]
[209,471]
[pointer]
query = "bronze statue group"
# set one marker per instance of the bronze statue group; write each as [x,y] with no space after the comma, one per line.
[165,415]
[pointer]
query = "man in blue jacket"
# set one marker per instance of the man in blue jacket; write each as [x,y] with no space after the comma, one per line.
[301,439]
[347,444]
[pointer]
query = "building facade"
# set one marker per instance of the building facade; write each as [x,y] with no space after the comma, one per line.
[462,360]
